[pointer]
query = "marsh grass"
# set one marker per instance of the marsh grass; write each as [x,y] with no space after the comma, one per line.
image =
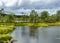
[5,31]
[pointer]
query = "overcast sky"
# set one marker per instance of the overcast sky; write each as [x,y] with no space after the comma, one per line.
[15,6]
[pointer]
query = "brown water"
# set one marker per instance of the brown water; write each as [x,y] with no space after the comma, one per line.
[24,34]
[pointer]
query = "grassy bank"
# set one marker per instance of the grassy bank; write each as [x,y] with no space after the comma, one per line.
[44,24]
[5,37]
[5,31]
[10,25]
[6,28]
[35,24]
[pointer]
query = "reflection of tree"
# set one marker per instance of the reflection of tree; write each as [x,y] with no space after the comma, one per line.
[23,31]
[33,32]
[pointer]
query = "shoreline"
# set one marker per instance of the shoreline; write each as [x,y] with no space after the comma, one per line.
[30,24]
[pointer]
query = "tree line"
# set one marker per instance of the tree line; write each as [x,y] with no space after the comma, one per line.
[33,17]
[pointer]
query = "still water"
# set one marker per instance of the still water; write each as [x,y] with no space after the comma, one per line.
[24,34]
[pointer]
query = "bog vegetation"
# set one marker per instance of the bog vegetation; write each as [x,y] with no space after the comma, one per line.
[8,21]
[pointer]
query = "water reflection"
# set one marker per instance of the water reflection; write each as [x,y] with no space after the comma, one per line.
[33,33]
[49,34]
[24,34]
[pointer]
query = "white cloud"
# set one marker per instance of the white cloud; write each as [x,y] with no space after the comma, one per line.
[30,4]
[13,2]
[44,1]
[9,3]
[19,2]
[34,0]
[0,3]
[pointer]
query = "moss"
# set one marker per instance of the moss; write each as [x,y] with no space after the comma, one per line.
[4,29]
[20,24]
[5,37]
[38,25]
[42,24]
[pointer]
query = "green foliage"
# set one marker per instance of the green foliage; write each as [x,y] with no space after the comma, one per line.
[4,29]
[1,18]
[4,32]
[23,17]
[58,15]
[5,37]
[44,16]
[1,15]
[52,19]
[2,11]
[33,16]
[9,18]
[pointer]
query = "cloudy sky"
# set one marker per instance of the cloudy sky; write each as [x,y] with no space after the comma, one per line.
[17,6]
